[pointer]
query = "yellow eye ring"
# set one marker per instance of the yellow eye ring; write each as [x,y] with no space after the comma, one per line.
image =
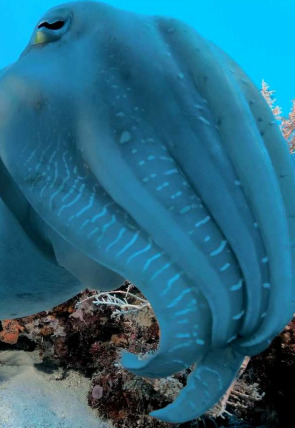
[40,37]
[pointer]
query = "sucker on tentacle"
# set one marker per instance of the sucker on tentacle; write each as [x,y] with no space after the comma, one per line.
[146,160]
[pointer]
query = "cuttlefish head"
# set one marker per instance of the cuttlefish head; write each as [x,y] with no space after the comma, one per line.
[133,148]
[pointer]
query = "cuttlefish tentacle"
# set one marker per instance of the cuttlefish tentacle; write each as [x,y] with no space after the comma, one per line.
[206,384]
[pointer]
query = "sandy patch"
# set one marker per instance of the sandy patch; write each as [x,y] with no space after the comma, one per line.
[35,396]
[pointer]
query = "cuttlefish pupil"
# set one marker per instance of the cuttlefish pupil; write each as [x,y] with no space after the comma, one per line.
[57,25]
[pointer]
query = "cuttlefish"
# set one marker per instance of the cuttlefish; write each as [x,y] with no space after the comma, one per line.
[132,147]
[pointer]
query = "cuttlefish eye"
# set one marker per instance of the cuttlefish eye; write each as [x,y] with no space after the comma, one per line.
[57,25]
[50,30]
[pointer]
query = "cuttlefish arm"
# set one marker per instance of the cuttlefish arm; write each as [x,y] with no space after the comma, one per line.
[146,159]
[283,164]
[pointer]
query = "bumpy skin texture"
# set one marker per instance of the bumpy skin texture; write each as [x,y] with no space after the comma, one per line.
[133,148]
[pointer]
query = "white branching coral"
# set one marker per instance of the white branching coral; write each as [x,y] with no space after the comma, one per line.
[123,302]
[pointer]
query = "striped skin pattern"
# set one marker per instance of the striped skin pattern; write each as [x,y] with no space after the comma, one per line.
[133,148]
